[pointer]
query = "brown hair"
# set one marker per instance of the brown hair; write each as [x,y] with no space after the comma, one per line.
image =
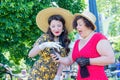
[86,21]
[63,38]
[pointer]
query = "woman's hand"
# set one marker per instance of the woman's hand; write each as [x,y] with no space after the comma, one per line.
[63,60]
[36,49]
[83,61]
[50,45]
[56,57]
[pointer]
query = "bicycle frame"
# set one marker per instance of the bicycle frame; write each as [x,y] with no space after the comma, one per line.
[8,71]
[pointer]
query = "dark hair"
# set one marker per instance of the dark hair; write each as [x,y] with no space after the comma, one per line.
[86,21]
[63,38]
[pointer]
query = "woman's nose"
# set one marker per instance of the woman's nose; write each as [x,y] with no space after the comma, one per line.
[56,28]
[78,27]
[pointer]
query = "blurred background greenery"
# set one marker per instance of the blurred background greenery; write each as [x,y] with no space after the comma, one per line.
[18,29]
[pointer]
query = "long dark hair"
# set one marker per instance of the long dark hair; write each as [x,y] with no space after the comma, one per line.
[86,21]
[63,38]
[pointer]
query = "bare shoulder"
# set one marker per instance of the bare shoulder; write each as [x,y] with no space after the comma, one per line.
[103,43]
[104,47]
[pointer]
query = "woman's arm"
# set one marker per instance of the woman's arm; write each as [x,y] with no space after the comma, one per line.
[63,60]
[34,51]
[59,72]
[60,69]
[107,55]
[66,60]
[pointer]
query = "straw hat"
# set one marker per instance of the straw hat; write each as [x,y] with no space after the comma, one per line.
[43,15]
[88,15]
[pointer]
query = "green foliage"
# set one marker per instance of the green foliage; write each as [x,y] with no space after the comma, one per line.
[75,6]
[116,43]
[3,59]
[110,8]
[72,35]
[18,29]
[114,29]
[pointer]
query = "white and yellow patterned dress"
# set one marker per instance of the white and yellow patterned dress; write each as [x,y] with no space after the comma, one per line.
[44,68]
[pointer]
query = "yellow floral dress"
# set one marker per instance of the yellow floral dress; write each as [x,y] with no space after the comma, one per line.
[44,68]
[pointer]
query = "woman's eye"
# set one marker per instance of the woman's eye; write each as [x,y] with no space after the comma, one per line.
[59,25]
[79,24]
[52,26]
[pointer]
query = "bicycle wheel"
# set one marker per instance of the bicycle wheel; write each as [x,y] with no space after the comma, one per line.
[8,76]
[5,76]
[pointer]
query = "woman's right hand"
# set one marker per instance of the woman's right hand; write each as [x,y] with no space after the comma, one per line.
[44,45]
[36,49]
[56,57]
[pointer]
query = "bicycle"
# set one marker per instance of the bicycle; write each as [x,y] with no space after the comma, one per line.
[112,75]
[7,74]
[69,75]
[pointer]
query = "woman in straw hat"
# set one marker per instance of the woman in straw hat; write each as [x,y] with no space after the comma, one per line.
[55,23]
[92,51]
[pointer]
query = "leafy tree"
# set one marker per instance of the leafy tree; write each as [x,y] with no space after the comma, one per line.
[18,29]
[110,8]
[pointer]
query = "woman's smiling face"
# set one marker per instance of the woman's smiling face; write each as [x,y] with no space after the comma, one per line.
[56,27]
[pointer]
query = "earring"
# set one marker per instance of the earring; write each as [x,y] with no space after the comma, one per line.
[62,30]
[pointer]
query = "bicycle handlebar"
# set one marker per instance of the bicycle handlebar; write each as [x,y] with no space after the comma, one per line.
[9,71]
[70,71]
[6,67]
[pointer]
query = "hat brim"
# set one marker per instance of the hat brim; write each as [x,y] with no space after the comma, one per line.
[43,15]
[78,14]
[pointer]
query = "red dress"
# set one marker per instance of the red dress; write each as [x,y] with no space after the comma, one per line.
[90,51]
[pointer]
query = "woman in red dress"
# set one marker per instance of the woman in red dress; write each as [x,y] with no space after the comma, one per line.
[92,51]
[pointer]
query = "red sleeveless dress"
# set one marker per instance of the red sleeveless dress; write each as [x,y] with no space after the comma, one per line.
[90,51]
